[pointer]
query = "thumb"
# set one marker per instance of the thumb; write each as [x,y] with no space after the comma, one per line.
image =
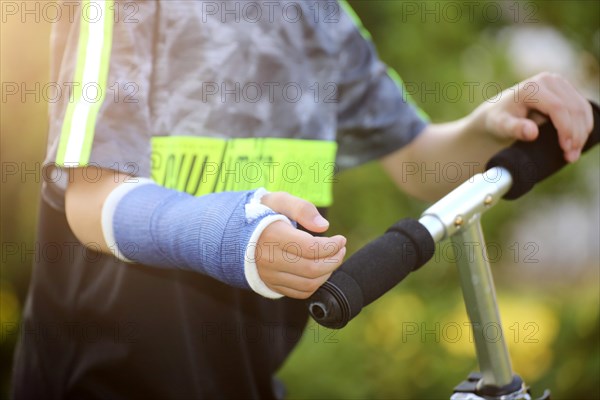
[507,126]
[297,209]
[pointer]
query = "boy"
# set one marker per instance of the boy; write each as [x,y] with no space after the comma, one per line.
[195,295]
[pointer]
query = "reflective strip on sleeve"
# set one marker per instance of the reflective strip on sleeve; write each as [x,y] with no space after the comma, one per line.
[201,165]
[400,83]
[356,19]
[391,72]
[89,86]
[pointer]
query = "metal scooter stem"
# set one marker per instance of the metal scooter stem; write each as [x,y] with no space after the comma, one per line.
[480,300]
[457,216]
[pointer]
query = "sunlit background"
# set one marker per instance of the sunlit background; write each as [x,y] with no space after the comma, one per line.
[414,342]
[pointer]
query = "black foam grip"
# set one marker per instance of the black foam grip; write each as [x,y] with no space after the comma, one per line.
[371,272]
[532,162]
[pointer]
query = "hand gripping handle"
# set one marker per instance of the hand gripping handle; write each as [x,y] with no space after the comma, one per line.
[532,162]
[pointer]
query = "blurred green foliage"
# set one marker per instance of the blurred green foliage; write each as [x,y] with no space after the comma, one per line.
[407,345]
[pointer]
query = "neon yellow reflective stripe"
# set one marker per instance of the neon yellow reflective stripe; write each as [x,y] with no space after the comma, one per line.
[391,72]
[356,19]
[400,83]
[102,78]
[91,71]
[75,95]
[186,163]
[199,165]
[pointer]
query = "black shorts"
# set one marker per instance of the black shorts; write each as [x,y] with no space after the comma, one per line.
[94,327]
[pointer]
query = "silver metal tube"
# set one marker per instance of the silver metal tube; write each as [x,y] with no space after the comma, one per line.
[457,216]
[465,203]
[480,300]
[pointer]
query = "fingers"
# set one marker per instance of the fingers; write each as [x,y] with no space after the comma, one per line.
[297,209]
[510,126]
[295,263]
[300,243]
[294,282]
[568,110]
[578,107]
[308,268]
[297,286]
